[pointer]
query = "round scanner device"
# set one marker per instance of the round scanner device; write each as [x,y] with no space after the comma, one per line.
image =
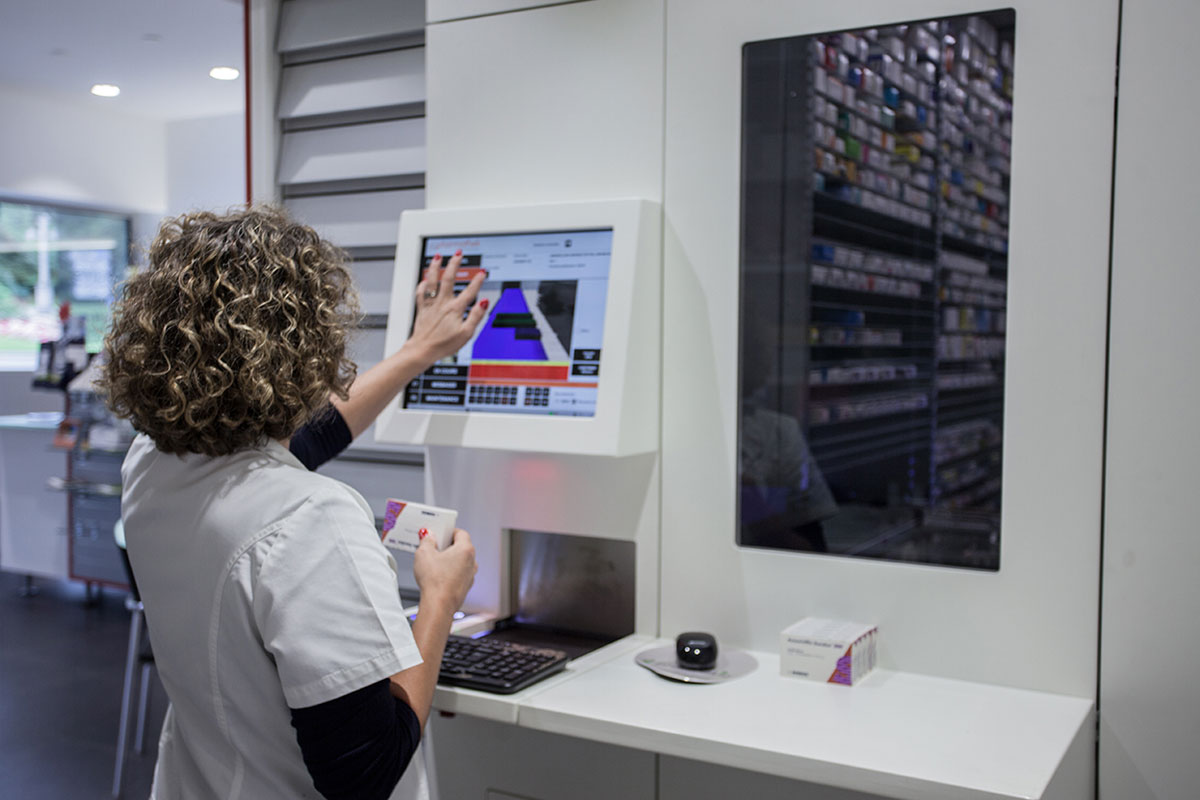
[696,650]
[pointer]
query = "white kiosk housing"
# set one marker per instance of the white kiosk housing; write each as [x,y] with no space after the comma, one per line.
[988,679]
[542,431]
[596,393]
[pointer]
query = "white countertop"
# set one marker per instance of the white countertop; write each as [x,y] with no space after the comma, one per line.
[899,734]
[34,421]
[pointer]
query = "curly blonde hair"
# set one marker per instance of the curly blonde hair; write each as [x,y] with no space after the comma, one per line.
[235,333]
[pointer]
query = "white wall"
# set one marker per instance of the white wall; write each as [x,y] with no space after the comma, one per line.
[1033,624]
[553,104]
[80,153]
[1150,645]
[206,163]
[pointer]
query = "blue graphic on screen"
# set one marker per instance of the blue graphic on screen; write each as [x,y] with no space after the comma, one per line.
[511,331]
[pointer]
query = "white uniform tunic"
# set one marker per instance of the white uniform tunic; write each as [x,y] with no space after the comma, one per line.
[265,586]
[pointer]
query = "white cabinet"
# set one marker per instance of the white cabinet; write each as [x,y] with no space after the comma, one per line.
[33,518]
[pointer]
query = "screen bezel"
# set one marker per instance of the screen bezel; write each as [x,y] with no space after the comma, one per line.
[632,317]
[421,263]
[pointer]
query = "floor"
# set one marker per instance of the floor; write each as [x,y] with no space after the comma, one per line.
[62,664]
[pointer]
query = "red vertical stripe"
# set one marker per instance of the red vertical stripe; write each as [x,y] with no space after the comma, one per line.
[246,78]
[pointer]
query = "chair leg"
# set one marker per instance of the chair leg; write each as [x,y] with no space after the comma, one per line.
[131,658]
[143,702]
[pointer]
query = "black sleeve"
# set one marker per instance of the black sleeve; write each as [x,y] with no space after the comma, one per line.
[326,435]
[358,745]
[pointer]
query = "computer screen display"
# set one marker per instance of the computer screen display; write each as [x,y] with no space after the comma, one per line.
[538,350]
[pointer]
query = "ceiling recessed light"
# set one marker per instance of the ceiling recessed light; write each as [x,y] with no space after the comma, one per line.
[106,90]
[224,73]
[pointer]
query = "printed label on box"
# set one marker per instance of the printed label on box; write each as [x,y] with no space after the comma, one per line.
[405,524]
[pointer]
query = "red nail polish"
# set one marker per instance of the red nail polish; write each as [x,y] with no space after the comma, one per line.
[437,256]
[458,252]
[423,532]
[484,303]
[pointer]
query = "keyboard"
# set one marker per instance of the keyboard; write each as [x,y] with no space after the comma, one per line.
[496,666]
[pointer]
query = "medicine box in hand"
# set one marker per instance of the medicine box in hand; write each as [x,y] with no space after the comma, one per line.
[828,650]
[405,524]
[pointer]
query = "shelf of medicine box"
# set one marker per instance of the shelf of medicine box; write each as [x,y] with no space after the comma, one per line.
[953,88]
[910,220]
[997,98]
[974,267]
[822,392]
[972,226]
[950,200]
[901,125]
[966,297]
[839,220]
[876,50]
[818,376]
[903,121]
[976,229]
[967,380]
[824,357]
[874,63]
[988,284]
[906,68]
[827,146]
[859,91]
[835,178]
[972,221]
[990,355]
[921,272]
[953,127]
[953,159]
[953,227]
[879,288]
[886,121]
[865,407]
[989,133]
[989,194]
[983,137]
[901,130]
[952,241]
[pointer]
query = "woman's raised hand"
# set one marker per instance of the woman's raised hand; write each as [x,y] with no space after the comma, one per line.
[443,323]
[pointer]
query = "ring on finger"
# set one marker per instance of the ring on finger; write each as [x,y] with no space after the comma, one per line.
[431,293]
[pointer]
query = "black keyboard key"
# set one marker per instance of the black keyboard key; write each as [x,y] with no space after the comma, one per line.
[496,666]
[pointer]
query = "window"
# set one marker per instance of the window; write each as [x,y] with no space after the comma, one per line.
[50,255]
[874,274]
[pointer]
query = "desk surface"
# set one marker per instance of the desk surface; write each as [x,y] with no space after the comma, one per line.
[898,734]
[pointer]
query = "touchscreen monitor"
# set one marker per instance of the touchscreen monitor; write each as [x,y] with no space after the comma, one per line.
[538,350]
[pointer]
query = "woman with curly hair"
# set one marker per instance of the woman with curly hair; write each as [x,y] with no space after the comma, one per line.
[271,603]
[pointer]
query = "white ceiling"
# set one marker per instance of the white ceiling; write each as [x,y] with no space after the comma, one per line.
[158,51]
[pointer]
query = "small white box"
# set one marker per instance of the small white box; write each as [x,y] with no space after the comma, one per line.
[405,524]
[828,650]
